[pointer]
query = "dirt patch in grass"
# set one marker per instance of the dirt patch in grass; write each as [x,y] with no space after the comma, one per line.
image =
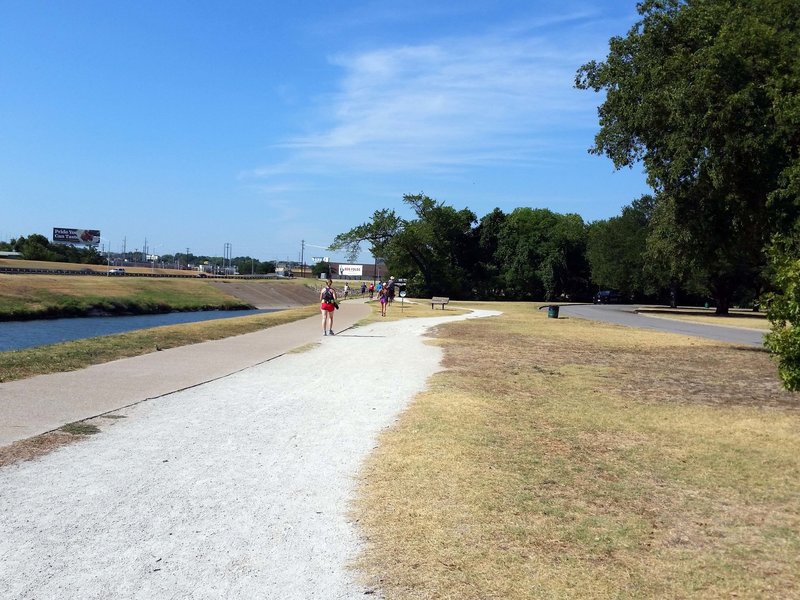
[562,459]
[35,447]
[40,445]
[651,367]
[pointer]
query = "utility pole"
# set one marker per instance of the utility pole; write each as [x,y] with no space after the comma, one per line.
[228,254]
[302,258]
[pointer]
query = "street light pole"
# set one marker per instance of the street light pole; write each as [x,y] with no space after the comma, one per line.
[228,251]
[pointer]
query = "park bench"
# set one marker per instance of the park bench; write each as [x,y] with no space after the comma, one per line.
[439,300]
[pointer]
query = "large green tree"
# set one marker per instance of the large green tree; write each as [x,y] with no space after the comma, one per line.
[668,262]
[704,94]
[487,271]
[542,254]
[434,251]
[616,249]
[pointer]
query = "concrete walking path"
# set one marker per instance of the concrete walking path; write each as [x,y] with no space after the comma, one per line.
[33,406]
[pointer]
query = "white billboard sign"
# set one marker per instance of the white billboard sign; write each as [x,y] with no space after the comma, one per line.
[351,270]
[67,235]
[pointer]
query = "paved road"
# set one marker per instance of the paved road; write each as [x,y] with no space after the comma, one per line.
[626,315]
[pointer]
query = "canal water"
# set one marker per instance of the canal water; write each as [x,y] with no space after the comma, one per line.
[16,335]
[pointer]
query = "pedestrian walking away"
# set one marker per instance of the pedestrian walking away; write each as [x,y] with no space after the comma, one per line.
[383,299]
[390,289]
[327,304]
[346,291]
[363,288]
[371,290]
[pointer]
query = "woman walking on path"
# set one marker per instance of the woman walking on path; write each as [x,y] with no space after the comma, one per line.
[384,298]
[327,299]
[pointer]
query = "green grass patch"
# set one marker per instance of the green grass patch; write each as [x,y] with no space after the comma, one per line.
[80,429]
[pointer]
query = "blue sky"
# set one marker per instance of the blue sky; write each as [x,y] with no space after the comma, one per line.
[196,123]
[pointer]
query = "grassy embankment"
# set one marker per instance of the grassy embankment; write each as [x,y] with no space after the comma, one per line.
[46,295]
[567,459]
[43,296]
[78,354]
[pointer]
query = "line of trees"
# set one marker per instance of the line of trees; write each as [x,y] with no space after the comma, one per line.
[705,95]
[528,254]
[38,247]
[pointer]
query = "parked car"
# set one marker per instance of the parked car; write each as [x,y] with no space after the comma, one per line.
[116,271]
[607,297]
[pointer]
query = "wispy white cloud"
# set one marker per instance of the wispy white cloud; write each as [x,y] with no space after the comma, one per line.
[280,210]
[501,98]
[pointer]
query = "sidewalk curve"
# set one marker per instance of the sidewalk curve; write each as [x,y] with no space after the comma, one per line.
[30,407]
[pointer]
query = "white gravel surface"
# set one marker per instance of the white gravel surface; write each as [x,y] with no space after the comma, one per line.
[238,488]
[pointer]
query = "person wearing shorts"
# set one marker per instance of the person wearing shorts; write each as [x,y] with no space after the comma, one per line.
[327,297]
[383,299]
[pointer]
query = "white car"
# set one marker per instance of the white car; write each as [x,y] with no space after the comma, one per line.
[116,271]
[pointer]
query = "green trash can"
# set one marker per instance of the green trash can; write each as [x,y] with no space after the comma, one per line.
[552,310]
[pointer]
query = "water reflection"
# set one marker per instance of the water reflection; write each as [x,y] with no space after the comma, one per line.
[16,335]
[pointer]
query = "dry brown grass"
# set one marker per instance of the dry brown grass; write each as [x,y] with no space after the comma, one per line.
[37,446]
[567,459]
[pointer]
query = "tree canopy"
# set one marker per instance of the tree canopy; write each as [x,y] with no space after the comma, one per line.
[616,249]
[704,95]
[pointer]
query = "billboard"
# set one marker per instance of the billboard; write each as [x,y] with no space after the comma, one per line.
[87,237]
[351,270]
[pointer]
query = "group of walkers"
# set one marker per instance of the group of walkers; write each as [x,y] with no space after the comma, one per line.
[329,302]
